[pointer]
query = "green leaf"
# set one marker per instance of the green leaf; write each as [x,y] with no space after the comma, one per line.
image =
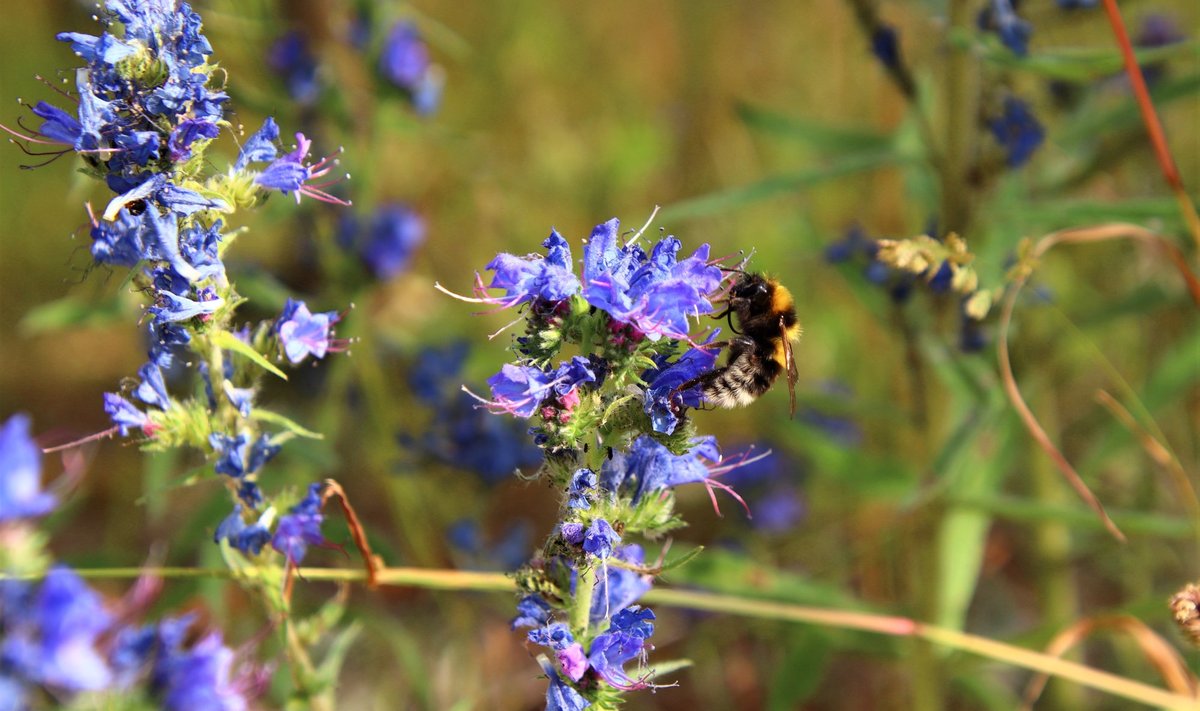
[228,341]
[801,671]
[1048,215]
[1079,64]
[285,422]
[682,560]
[827,137]
[331,665]
[1090,124]
[734,198]
[72,312]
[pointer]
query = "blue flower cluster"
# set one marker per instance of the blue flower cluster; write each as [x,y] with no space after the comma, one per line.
[149,105]
[611,422]
[60,636]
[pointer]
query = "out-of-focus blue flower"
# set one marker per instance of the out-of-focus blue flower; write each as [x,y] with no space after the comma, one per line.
[303,333]
[1017,130]
[21,494]
[198,678]
[885,45]
[436,371]
[532,611]
[126,416]
[66,622]
[1157,30]
[291,58]
[1076,4]
[1001,17]
[301,527]
[655,294]
[508,552]
[404,61]
[551,278]
[395,233]
[247,539]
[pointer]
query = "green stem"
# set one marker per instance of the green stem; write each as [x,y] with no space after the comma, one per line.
[730,605]
[959,115]
[581,608]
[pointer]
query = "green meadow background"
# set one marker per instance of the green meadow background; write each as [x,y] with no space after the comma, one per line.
[759,126]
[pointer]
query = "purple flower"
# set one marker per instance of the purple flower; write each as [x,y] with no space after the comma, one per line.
[572,532]
[126,416]
[404,61]
[1000,17]
[519,390]
[69,618]
[152,390]
[198,678]
[124,241]
[396,232]
[302,333]
[260,147]
[583,484]
[1017,130]
[885,45]
[600,539]
[21,494]
[290,173]
[247,539]
[618,588]
[572,373]
[301,528]
[534,277]
[188,132]
[532,611]
[291,58]
[655,294]
[664,400]
[560,696]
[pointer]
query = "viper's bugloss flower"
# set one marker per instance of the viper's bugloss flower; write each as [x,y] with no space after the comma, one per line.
[188,132]
[1001,17]
[649,467]
[196,677]
[21,494]
[395,233]
[260,147]
[291,59]
[301,527]
[152,389]
[619,587]
[624,641]
[239,456]
[518,390]
[551,278]
[532,611]
[1017,130]
[655,294]
[885,45]
[291,173]
[404,61]
[600,539]
[582,489]
[560,696]
[247,539]
[126,416]
[664,398]
[52,635]
[303,333]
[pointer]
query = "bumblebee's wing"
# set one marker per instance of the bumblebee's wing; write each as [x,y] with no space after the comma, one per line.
[790,361]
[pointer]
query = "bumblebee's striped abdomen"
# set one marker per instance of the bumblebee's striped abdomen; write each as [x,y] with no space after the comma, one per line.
[741,382]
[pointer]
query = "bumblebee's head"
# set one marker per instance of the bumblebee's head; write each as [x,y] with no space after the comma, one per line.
[751,290]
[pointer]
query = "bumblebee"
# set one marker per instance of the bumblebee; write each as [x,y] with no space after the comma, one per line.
[761,350]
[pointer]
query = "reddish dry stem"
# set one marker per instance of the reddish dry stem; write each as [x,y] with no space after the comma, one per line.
[371,561]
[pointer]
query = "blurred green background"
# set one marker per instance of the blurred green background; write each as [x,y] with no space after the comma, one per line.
[567,114]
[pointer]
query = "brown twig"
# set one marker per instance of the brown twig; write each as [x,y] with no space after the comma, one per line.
[372,562]
[1150,118]
[1099,233]
[1158,652]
